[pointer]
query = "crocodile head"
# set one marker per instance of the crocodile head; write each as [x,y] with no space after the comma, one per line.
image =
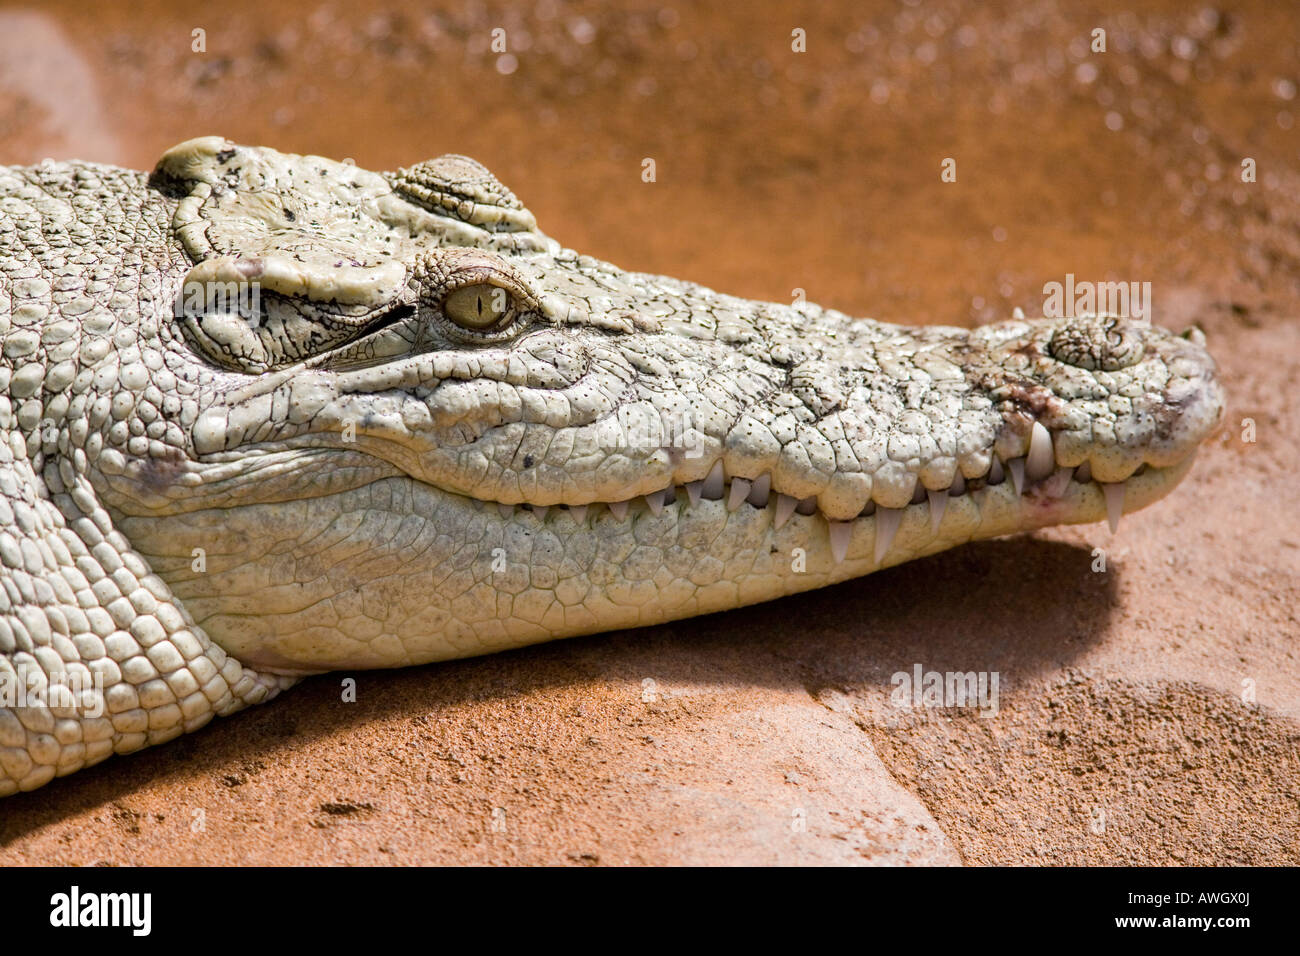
[401,424]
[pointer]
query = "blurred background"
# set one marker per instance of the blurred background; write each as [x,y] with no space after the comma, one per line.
[775,169]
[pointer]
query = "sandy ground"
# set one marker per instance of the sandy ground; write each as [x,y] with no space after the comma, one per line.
[1148,713]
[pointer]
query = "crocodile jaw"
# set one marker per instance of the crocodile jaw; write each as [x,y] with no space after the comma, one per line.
[410,544]
[397,572]
[372,484]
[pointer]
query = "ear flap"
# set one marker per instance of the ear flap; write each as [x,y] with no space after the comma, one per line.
[302,226]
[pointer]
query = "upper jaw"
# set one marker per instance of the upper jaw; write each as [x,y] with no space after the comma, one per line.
[545,420]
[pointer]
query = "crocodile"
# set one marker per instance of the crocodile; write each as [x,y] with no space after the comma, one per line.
[268,415]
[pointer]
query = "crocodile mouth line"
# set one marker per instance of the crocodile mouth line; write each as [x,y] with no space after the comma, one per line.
[1033,490]
[1044,488]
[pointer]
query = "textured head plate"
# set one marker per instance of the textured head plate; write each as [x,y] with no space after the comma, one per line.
[248,216]
[463,189]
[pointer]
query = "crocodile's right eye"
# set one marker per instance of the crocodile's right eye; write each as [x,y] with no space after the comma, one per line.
[271,331]
[254,314]
[480,307]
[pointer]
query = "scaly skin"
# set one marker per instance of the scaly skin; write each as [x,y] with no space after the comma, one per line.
[364,467]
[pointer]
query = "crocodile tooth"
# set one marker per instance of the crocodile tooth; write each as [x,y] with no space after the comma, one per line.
[693,489]
[540,511]
[841,532]
[477,503]
[1083,474]
[887,521]
[655,502]
[1054,487]
[995,476]
[938,502]
[1114,492]
[1017,468]
[1040,460]
[713,484]
[618,509]
[958,485]
[806,506]
[1017,313]
[784,509]
[579,513]
[738,493]
[760,491]
[507,511]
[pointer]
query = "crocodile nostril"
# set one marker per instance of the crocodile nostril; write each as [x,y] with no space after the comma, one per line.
[1104,344]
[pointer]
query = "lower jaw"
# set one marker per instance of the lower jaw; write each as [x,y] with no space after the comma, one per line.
[467,580]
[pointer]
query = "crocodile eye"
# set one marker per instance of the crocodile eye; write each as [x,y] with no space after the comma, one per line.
[479,307]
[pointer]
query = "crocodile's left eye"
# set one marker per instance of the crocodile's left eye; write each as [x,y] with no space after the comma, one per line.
[480,307]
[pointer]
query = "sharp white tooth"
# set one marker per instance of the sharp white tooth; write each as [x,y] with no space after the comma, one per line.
[540,511]
[841,532]
[655,502]
[1055,486]
[760,491]
[938,502]
[693,489]
[1017,313]
[618,509]
[714,485]
[1083,474]
[738,493]
[1114,492]
[1040,461]
[507,511]
[887,521]
[579,513]
[785,506]
[806,506]
[1017,468]
[996,476]
[958,486]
